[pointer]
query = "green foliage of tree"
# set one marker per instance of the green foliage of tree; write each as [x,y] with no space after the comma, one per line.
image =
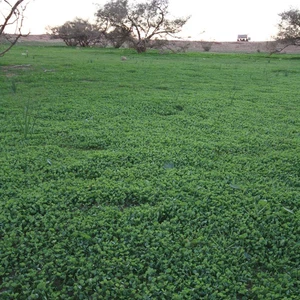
[289,27]
[139,23]
[78,32]
[11,16]
[118,36]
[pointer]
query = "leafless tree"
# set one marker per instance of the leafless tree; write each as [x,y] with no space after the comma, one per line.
[11,16]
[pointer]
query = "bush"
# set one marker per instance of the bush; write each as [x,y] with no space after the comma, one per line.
[206,46]
[79,33]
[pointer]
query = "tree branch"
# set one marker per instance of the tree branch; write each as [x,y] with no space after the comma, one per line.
[18,19]
[12,11]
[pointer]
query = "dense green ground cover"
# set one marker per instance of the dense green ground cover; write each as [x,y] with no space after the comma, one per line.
[161,177]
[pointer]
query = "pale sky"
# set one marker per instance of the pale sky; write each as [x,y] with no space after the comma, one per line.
[222,20]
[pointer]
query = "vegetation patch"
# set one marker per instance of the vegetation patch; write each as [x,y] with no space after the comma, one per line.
[170,176]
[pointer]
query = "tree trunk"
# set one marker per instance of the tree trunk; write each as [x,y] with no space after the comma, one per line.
[140,47]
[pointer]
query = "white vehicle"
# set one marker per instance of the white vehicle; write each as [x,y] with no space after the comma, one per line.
[243,38]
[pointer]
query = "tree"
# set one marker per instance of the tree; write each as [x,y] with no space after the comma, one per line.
[289,27]
[140,22]
[12,16]
[118,36]
[78,32]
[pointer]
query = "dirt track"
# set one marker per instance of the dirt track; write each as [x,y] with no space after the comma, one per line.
[225,47]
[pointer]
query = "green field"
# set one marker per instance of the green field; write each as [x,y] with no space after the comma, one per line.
[170,176]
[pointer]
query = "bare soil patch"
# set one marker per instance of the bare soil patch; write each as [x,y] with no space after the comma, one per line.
[8,70]
[197,46]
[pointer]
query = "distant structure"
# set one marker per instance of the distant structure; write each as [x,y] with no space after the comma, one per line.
[243,38]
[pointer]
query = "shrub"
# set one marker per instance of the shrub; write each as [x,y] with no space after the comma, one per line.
[206,46]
